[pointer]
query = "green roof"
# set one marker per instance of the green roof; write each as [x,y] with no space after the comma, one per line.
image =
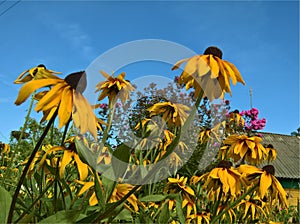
[287,163]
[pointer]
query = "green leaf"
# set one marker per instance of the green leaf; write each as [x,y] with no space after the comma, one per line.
[153,198]
[109,186]
[124,215]
[98,191]
[62,217]
[5,201]
[85,154]
[164,215]
[120,159]
[89,219]
[179,210]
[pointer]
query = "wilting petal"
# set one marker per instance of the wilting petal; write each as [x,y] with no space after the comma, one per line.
[265,183]
[66,159]
[30,87]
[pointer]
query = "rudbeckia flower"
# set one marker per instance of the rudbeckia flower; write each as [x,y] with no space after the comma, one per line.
[4,148]
[208,72]
[172,113]
[199,217]
[39,72]
[223,177]
[271,152]
[248,148]
[104,157]
[230,213]
[267,182]
[66,95]
[190,205]
[179,184]
[253,207]
[70,154]
[118,193]
[114,88]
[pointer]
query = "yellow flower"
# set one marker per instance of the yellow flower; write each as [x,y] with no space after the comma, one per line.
[66,95]
[223,177]
[69,155]
[179,184]
[120,191]
[172,113]
[210,73]
[4,148]
[235,120]
[267,181]
[39,72]
[190,205]
[249,148]
[271,152]
[114,88]
[199,217]
[230,212]
[252,205]
[210,133]
[104,157]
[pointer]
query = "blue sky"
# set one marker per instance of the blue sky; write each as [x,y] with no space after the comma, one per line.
[260,37]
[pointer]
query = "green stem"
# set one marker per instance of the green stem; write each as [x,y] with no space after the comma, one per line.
[26,120]
[234,203]
[38,145]
[20,137]
[216,205]
[109,122]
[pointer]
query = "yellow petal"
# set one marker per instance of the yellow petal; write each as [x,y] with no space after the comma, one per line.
[82,168]
[265,183]
[203,67]
[93,200]
[29,87]
[65,107]
[86,186]
[53,97]
[66,159]
[179,63]
[214,67]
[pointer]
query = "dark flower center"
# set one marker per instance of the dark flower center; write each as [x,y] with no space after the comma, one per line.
[270,146]
[269,169]
[77,81]
[72,147]
[36,69]
[224,164]
[214,51]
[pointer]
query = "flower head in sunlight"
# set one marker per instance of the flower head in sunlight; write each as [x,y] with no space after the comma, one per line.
[253,207]
[114,88]
[70,154]
[120,191]
[208,72]
[39,72]
[65,96]
[172,113]
[271,152]
[199,217]
[268,184]
[179,184]
[223,177]
[229,213]
[249,148]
